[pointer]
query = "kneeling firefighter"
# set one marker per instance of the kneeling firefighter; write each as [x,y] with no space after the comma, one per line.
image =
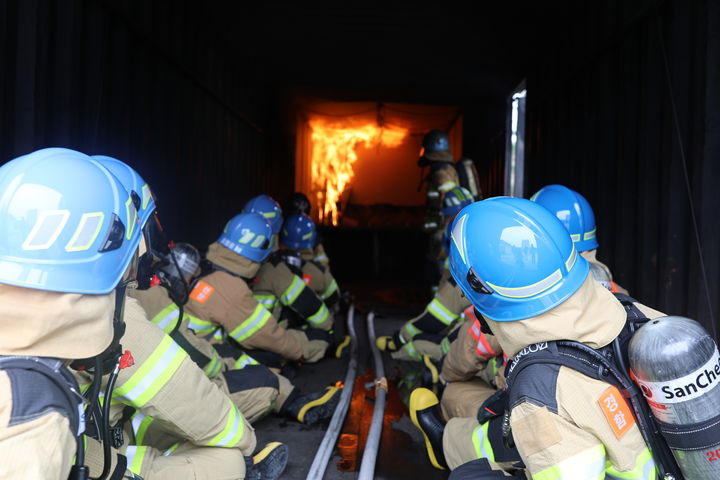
[65,261]
[593,420]
[566,396]
[197,431]
[299,203]
[577,216]
[277,287]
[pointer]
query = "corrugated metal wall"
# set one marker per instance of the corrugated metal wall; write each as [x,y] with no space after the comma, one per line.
[144,82]
[602,123]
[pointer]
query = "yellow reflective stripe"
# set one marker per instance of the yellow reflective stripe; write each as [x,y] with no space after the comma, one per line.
[167,318]
[152,375]
[644,469]
[135,456]
[214,366]
[171,450]
[320,316]
[587,465]
[330,290]
[447,186]
[253,323]
[445,345]
[411,330]
[571,260]
[321,258]
[590,234]
[575,237]
[481,442]
[244,361]
[140,424]
[201,327]
[267,301]
[233,431]
[293,291]
[410,349]
[441,312]
[219,334]
[534,289]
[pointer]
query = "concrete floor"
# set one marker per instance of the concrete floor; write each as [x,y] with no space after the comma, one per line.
[402,451]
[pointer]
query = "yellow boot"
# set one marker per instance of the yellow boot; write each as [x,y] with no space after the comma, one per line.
[425,414]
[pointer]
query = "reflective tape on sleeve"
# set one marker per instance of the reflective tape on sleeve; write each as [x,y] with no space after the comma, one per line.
[233,431]
[330,290]
[152,375]
[481,442]
[135,456]
[267,301]
[441,312]
[319,317]
[167,318]
[645,469]
[199,326]
[293,291]
[252,324]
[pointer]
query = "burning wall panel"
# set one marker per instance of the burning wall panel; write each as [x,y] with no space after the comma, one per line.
[365,153]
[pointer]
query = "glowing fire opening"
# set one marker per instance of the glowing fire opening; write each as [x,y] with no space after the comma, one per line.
[333,154]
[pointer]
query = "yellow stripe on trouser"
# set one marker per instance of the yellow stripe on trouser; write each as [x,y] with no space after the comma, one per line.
[233,431]
[140,425]
[481,442]
[330,290]
[252,324]
[644,469]
[152,375]
[167,318]
[244,361]
[201,327]
[441,312]
[411,351]
[588,465]
[214,366]
[319,317]
[135,456]
[293,291]
[408,332]
[267,301]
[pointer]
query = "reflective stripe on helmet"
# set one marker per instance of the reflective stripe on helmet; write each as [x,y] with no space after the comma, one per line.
[534,289]
[589,235]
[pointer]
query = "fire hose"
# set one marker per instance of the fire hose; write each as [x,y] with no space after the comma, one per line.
[322,457]
[367,467]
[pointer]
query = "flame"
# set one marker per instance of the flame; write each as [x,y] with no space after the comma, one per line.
[333,155]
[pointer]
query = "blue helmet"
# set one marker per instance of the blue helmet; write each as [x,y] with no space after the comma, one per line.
[268,208]
[436,141]
[67,224]
[573,211]
[249,235]
[455,200]
[134,183]
[298,232]
[513,259]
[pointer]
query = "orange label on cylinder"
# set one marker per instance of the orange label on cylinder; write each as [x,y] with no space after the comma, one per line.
[616,410]
[202,292]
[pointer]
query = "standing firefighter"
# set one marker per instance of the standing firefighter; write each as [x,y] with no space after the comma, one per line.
[69,236]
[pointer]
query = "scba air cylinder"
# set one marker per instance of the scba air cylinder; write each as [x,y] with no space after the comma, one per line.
[677,365]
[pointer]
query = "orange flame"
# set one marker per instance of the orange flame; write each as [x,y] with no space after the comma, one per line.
[333,154]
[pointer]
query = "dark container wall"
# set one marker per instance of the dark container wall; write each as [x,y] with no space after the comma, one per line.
[602,122]
[137,81]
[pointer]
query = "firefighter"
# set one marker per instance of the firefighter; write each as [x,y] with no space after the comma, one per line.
[197,429]
[277,287]
[517,265]
[427,334]
[442,177]
[576,214]
[65,259]
[254,389]
[299,203]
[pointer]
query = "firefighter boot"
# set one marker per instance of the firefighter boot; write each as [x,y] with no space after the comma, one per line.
[425,414]
[268,464]
[312,408]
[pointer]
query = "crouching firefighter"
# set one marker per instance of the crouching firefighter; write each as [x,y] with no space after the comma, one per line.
[277,287]
[197,430]
[65,259]
[300,204]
